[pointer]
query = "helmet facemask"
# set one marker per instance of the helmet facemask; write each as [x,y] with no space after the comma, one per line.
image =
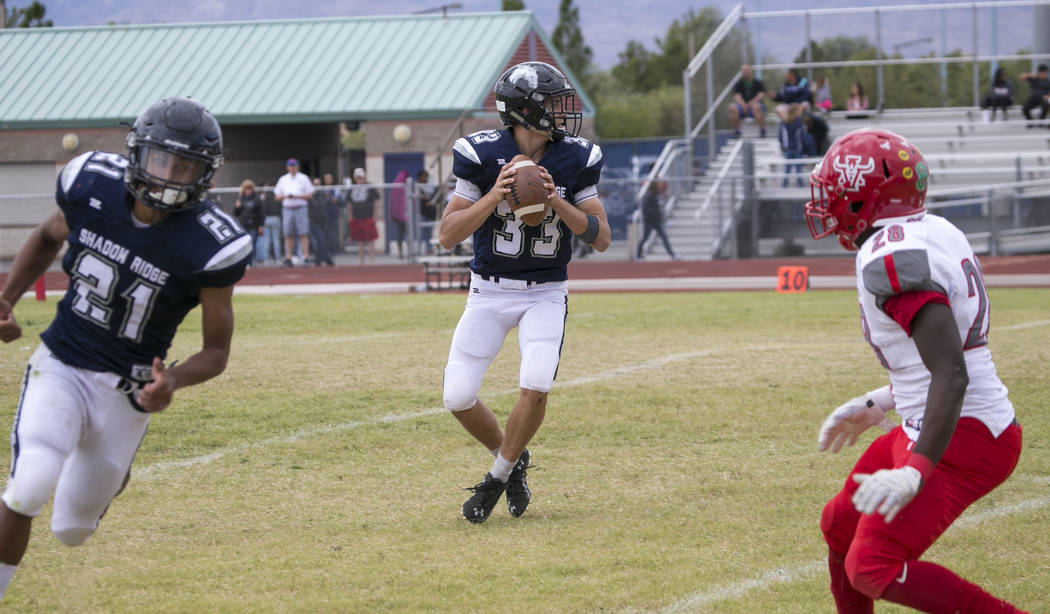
[170,180]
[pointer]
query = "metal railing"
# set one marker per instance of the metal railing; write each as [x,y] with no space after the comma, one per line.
[737,17]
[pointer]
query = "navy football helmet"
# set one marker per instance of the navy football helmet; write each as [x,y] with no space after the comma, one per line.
[174,149]
[538,96]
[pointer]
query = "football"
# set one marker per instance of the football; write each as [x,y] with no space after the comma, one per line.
[527,197]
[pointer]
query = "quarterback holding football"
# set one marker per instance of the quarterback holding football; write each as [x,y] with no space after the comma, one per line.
[519,268]
[924,310]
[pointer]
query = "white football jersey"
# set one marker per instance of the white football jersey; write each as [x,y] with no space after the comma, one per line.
[927,252]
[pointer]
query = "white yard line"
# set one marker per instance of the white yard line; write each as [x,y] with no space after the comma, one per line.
[1023,325]
[806,571]
[154,470]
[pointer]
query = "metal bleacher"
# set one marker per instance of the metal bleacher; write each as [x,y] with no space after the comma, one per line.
[966,155]
[990,178]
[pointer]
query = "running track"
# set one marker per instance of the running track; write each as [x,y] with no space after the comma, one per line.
[604,276]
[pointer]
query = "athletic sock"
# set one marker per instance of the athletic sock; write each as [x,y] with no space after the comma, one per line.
[848,600]
[494,452]
[928,587]
[6,571]
[501,468]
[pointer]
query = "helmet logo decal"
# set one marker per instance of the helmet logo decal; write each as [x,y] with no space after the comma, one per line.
[526,72]
[852,172]
[923,173]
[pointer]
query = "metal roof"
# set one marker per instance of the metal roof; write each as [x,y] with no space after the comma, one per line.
[285,71]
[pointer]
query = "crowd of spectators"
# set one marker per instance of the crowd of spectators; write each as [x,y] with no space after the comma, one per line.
[802,108]
[308,221]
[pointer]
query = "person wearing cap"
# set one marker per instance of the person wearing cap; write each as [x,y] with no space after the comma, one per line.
[361,202]
[293,190]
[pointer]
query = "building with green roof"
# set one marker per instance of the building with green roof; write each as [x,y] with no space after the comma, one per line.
[279,88]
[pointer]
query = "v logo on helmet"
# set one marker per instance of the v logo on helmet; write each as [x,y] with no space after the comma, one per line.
[851,171]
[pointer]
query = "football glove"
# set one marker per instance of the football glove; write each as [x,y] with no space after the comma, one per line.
[852,418]
[886,491]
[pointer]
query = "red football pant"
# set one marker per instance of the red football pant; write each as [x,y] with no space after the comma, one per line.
[866,554]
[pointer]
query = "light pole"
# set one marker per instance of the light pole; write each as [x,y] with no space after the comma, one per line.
[443,8]
[899,46]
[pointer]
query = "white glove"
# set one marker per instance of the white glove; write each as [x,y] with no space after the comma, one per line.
[886,491]
[852,418]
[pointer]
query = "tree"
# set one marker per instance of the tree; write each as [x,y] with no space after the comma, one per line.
[643,70]
[513,5]
[31,16]
[568,38]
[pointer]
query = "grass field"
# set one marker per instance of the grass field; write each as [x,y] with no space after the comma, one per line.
[677,468]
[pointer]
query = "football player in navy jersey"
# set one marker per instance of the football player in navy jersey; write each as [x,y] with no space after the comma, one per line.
[924,310]
[144,249]
[518,271]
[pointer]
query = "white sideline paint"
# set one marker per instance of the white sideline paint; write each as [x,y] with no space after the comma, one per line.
[1024,325]
[781,575]
[155,469]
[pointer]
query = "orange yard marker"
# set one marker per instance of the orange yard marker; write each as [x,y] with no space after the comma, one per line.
[41,294]
[792,279]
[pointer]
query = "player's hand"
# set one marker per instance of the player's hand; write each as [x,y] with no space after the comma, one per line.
[849,420]
[886,491]
[548,183]
[156,395]
[501,188]
[9,328]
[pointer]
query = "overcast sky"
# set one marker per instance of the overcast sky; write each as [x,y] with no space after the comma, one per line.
[607,24]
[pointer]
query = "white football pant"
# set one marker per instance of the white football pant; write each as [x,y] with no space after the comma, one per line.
[75,434]
[493,309]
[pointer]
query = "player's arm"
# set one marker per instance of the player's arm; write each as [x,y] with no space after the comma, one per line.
[580,218]
[31,261]
[217,324]
[462,217]
[937,338]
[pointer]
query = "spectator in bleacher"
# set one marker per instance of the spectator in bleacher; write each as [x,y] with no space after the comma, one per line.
[791,131]
[248,211]
[1000,93]
[815,138]
[748,96]
[317,210]
[293,190]
[794,91]
[822,94]
[425,192]
[1039,93]
[269,244]
[857,103]
[652,207]
[361,200]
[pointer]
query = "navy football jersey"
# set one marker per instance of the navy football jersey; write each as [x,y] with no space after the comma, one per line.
[131,285]
[503,245]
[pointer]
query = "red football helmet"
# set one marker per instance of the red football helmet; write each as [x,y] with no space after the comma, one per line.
[867,175]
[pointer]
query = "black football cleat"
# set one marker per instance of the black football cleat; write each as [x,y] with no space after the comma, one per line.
[518,493]
[486,494]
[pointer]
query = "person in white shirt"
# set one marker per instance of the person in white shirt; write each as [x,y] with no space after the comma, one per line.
[293,190]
